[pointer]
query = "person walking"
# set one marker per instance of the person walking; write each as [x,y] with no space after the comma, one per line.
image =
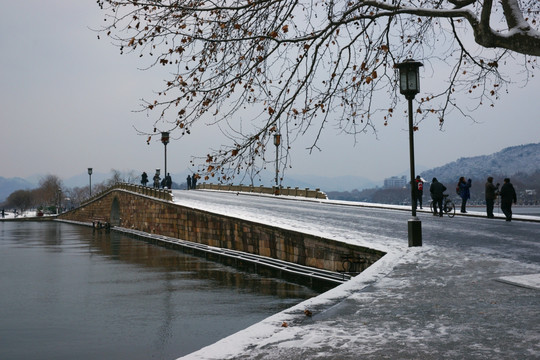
[491,195]
[508,196]
[464,192]
[437,190]
[188,182]
[419,191]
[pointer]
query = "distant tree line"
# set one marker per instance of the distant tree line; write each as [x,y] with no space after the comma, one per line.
[51,193]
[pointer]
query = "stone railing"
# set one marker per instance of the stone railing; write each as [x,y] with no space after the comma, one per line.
[164,194]
[288,191]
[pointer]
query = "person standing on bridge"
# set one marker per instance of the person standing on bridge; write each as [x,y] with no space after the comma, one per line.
[464,192]
[508,196]
[188,182]
[419,193]
[437,190]
[144,178]
[491,195]
[156,180]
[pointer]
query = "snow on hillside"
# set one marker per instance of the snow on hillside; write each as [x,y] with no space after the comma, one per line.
[507,162]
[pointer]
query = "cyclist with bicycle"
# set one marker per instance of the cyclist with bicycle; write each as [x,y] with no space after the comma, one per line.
[436,190]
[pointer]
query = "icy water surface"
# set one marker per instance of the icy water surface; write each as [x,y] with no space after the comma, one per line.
[69,293]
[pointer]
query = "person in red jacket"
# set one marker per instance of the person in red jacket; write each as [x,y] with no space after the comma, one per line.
[419,191]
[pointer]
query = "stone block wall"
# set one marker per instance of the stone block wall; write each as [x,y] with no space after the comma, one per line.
[136,211]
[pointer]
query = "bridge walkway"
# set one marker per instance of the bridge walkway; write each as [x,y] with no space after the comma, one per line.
[471,291]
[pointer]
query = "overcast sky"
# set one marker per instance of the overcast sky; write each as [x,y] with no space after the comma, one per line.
[67,103]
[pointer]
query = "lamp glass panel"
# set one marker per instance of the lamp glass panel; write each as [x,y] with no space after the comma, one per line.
[403,80]
[412,80]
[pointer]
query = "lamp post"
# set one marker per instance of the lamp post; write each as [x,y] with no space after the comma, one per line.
[90,175]
[409,85]
[59,193]
[165,141]
[277,142]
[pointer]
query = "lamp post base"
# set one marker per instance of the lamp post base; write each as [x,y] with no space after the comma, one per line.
[415,232]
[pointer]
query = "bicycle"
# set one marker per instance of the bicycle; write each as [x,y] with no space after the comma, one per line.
[448,206]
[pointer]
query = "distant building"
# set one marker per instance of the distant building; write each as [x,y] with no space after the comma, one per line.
[395,182]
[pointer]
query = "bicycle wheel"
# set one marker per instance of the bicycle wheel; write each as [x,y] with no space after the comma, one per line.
[450,209]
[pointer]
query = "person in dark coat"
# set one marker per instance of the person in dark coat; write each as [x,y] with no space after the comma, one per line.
[144,178]
[194,181]
[437,190]
[491,195]
[168,181]
[508,196]
[188,182]
[464,192]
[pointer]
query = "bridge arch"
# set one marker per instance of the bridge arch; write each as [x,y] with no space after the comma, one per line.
[115,212]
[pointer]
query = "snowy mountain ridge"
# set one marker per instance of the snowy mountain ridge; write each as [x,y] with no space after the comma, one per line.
[524,159]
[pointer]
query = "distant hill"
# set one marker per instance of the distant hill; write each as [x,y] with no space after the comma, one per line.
[7,186]
[520,163]
[523,159]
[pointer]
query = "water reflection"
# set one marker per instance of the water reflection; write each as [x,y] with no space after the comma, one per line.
[70,293]
[124,248]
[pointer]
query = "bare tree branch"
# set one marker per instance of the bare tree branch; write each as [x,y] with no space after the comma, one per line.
[302,67]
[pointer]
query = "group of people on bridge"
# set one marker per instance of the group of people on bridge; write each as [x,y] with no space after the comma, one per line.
[437,189]
[166,182]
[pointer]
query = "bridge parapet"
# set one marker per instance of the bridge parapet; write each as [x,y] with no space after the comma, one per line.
[163,194]
[274,190]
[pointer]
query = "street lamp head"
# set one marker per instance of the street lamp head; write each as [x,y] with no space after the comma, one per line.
[409,78]
[165,137]
[89,171]
[277,139]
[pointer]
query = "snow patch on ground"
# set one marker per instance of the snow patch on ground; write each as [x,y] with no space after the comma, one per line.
[531,281]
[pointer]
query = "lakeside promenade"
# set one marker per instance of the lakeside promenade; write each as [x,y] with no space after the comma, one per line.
[472,291]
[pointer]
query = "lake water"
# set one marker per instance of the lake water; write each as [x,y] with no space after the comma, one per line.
[69,293]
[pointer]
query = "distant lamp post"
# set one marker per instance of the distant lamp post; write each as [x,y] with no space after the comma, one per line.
[59,193]
[165,141]
[409,85]
[90,175]
[277,142]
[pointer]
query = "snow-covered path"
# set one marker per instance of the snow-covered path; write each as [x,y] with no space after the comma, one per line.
[441,300]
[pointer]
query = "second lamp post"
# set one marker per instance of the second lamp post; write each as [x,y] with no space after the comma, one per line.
[90,176]
[165,141]
[277,142]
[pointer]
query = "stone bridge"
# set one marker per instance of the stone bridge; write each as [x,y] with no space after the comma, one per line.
[153,211]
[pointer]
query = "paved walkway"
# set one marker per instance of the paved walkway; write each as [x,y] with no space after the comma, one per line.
[471,292]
